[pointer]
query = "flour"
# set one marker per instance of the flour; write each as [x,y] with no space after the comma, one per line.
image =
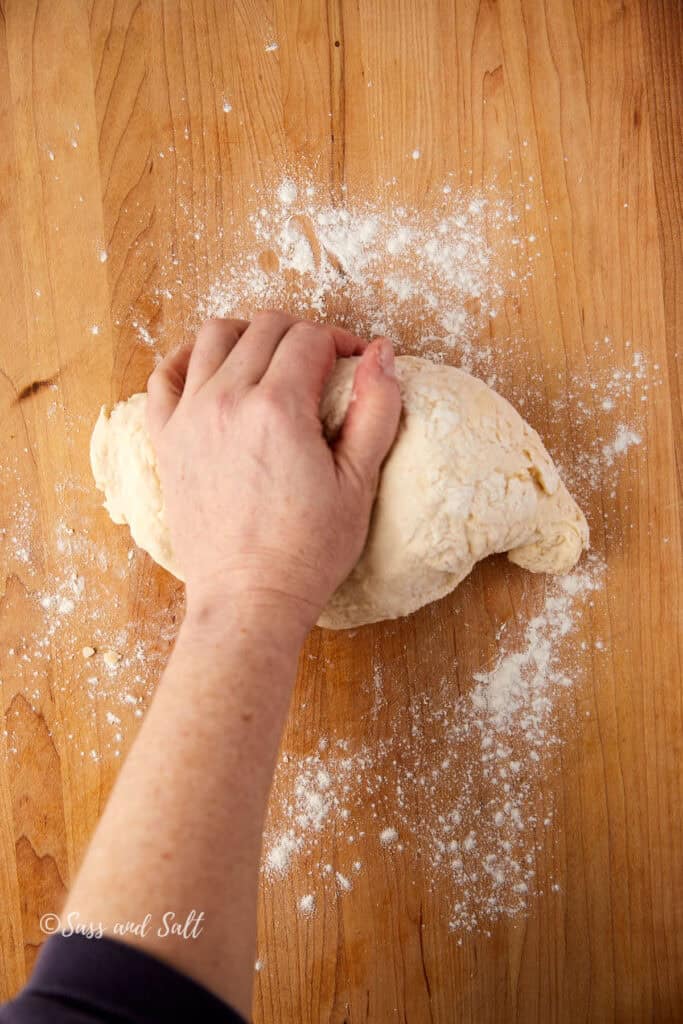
[624,439]
[18,538]
[521,680]
[388,836]
[596,403]
[112,655]
[343,883]
[62,600]
[453,780]
[287,192]
[430,279]
[307,905]
[144,335]
[468,800]
[280,853]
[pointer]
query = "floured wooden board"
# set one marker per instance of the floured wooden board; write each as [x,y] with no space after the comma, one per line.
[476,814]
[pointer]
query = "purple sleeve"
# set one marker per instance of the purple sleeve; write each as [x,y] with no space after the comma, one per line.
[82,981]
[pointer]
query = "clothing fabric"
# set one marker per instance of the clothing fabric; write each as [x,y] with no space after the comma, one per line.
[79,980]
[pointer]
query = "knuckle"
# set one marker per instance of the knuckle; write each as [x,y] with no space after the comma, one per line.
[271,402]
[210,325]
[225,401]
[328,343]
[317,338]
[321,332]
[215,327]
[268,396]
[269,316]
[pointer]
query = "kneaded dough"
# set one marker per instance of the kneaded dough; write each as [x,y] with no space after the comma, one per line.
[466,477]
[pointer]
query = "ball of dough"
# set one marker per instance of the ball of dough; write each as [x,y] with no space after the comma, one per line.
[466,477]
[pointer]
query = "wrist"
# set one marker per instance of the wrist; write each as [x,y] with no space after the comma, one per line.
[267,618]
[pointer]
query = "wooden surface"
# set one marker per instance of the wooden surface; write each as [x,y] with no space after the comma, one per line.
[114,139]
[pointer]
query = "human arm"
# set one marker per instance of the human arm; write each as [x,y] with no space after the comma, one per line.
[267,520]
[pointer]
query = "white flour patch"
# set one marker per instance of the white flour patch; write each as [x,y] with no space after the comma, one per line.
[343,883]
[143,333]
[388,836]
[307,905]
[62,600]
[624,439]
[431,279]
[280,853]
[461,777]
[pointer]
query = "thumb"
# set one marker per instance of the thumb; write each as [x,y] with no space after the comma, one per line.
[372,417]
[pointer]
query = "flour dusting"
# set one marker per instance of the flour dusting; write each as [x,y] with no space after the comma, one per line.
[452,777]
[429,278]
[459,778]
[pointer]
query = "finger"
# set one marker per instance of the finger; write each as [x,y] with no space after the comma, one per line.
[347,343]
[305,358]
[215,340]
[165,386]
[369,429]
[251,357]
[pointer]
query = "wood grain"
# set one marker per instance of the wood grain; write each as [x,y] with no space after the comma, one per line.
[115,141]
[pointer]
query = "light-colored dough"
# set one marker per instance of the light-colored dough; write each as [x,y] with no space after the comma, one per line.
[466,477]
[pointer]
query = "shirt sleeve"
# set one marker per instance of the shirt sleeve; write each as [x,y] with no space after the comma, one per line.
[78,980]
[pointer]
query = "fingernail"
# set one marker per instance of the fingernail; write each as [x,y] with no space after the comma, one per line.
[385,358]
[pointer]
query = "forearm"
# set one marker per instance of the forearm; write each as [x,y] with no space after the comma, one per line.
[253,492]
[182,830]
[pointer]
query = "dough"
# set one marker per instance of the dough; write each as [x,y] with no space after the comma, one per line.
[466,477]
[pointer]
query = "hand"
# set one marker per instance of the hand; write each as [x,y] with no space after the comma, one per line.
[260,507]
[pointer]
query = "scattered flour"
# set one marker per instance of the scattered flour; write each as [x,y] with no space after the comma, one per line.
[430,278]
[144,334]
[463,777]
[388,836]
[307,905]
[624,439]
[287,192]
[280,853]
[81,612]
[458,771]
[344,884]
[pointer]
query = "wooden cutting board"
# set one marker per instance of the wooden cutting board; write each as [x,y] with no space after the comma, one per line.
[116,143]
